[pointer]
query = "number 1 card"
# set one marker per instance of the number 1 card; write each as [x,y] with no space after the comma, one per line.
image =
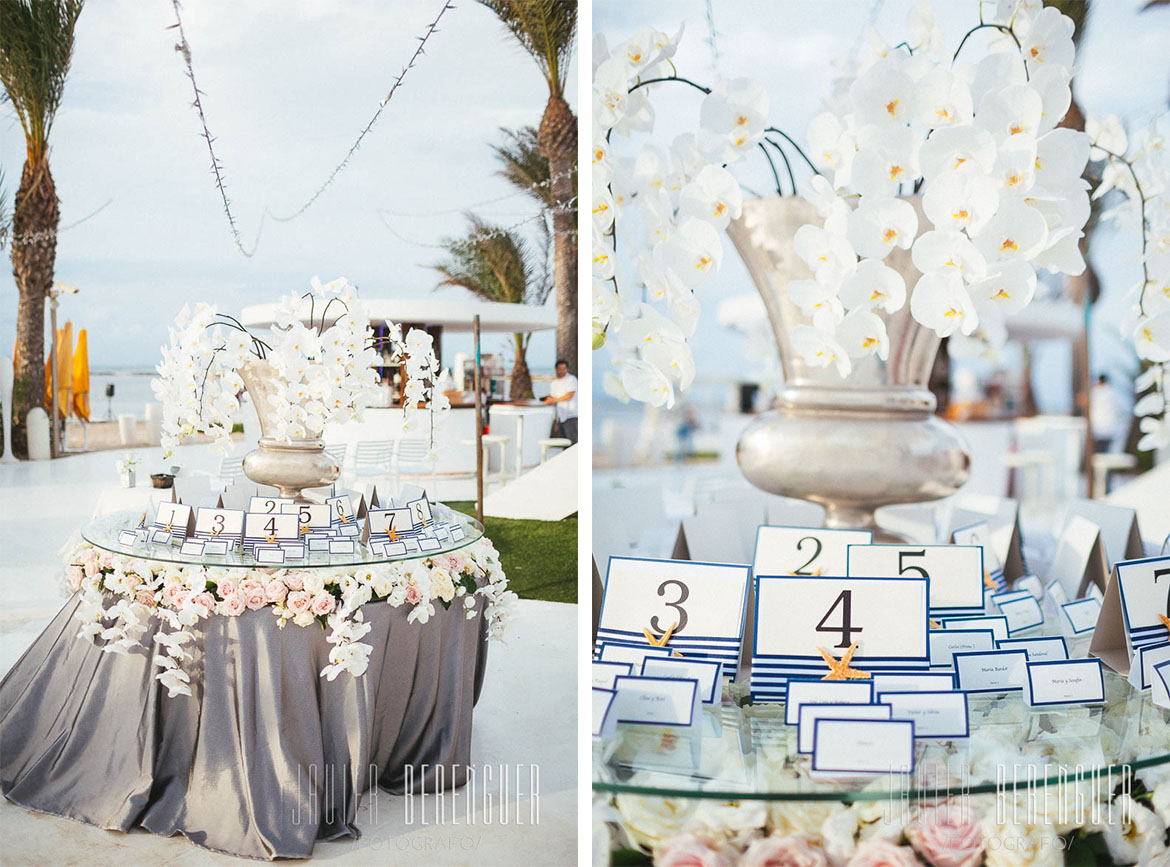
[697,609]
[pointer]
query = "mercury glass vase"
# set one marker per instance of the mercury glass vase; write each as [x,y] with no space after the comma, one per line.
[290,466]
[852,445]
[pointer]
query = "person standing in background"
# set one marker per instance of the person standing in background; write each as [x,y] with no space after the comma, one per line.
[1107,415]
[563,393]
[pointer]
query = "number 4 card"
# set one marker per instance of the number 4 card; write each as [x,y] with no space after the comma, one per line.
[805,551]
[696,609]
[798,616]
[955,572]
[1135,611]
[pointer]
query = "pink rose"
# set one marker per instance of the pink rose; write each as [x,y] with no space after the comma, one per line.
[144,597]
[294,581]
[255,599]
[275,590]
[323,603]
[454,564]
[413,596]
[687,850]
[947,836]
[132,581]
[880,853]
[249,587]
[204,600]
[789,850]
[74,574]
[226,588]
[232,606]
[179,599]
[106,560]
[91,568]
[298,601]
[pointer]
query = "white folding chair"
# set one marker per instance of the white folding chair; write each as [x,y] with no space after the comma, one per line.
[338,452]
[413,458]
[373,460]
[230,472]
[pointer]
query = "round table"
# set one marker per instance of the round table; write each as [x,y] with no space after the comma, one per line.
[265,756]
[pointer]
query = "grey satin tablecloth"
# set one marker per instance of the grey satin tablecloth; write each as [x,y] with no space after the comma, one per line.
[239,765]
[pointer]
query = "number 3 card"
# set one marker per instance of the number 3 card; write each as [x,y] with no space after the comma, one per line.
[955,572]
[696,609]
[798,616]
[805,551]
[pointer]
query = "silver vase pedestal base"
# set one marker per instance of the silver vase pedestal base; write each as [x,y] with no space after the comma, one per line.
[291,467]
[854,450]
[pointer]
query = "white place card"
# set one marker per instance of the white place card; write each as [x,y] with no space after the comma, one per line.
[129,538]
[603,673]
[701,605]
[810,713]
[321,543]
[814,691]
[604,719]
[955,572]
[215,548]
[192,548]
[341,546]
[991,671]
[635,654]
[1141,672]
[1080,617]
[457,533]
[1065,681]
[996,623]
[268,505]
[936,715]
[1160,685]
[945,643]
[1022,614]
[161,537]
[1093,592]
[656,700]
[268,554]
[1055,591]
[1009,596]
[429,544]
[1040,649]
[805,551]
[394,549]
[1032,584]
[934,681]
[294,550]
[853,746]
[708,674]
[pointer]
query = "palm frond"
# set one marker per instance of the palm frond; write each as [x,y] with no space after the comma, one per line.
[493,263]
[5,216]
[545,29]
[523,165]
[36,48]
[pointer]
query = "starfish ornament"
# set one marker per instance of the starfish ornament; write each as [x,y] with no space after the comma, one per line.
[839,668]
[987,582]
[660,642]
[1165,621]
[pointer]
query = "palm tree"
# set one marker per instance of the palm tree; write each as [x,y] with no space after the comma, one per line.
[498,265]
[36,47]
[546,29]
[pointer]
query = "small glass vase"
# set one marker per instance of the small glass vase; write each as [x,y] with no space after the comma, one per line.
[128,478]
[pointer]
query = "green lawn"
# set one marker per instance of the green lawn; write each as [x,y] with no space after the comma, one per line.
[539,557]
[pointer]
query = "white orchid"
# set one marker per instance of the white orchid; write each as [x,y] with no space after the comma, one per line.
[947,252]
[863,333]
[940,302]
[713,196]
[1017,232]
[820,349]
[872,285]
[881,225]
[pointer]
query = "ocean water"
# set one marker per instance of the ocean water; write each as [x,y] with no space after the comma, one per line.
[131,395]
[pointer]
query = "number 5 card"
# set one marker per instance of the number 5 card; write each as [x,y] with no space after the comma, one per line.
[955,572]
[696,609]
[797,617]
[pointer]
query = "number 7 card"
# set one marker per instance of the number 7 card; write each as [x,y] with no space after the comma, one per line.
[696,609]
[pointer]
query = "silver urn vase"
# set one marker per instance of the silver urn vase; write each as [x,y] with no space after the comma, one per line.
[290,466]
[851,445]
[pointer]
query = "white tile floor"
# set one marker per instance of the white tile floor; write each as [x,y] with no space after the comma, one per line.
[41,504]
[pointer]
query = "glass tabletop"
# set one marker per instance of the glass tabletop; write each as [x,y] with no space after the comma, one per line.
[749,753]
[103,533]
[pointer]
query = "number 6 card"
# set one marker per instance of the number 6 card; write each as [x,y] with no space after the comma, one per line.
[698,608]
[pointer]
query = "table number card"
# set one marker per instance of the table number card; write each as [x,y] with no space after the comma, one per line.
[268,505]
[603,673]
[172,522]
[1080,558]
[1135,611]
[862,747]
[1065,681]
[271,528]
[343,517]
[1022,613]
[313,519]
[695,608]
[955,572]
[810,713]
[604,719]
[1002,515]
[805,551]
[945,643]
[796,617]
[386,525]
[1120,536]
[1144,659]
[991,671]
[1038,649]
[1080,618]
[936,715]
[656,700]
[709,675]
[223,525]
[420,512]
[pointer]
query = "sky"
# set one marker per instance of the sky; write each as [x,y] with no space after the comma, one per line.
[288,85]
[790,47]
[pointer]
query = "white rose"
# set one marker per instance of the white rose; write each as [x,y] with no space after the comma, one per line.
[314,581]
[1020,845]
[1134,834]
[736,822]
[650,820]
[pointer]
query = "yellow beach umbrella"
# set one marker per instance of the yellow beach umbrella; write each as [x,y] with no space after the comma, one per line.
[81,376]
[64,370]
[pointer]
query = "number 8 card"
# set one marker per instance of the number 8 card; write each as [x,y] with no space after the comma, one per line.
[698,608]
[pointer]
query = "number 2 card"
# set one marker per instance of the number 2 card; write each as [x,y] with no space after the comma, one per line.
[805,551]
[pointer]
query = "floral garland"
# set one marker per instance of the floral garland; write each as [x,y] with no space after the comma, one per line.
[181,596]
[1140,172]
[326,368]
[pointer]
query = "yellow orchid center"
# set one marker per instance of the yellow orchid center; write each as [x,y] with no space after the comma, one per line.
[961,214]
[959,161]
[1035,52]
[943,113]
[1009,244]
[703,262]
[892,107]
[635,56]
[877,293]
[1038,166]
[598,155]
[741,120]
[1016,128]
[1002,294]
[868,342]
[889,235]
[895,171]
[951,263]
[1013,179]
[719,209]
[953,312]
